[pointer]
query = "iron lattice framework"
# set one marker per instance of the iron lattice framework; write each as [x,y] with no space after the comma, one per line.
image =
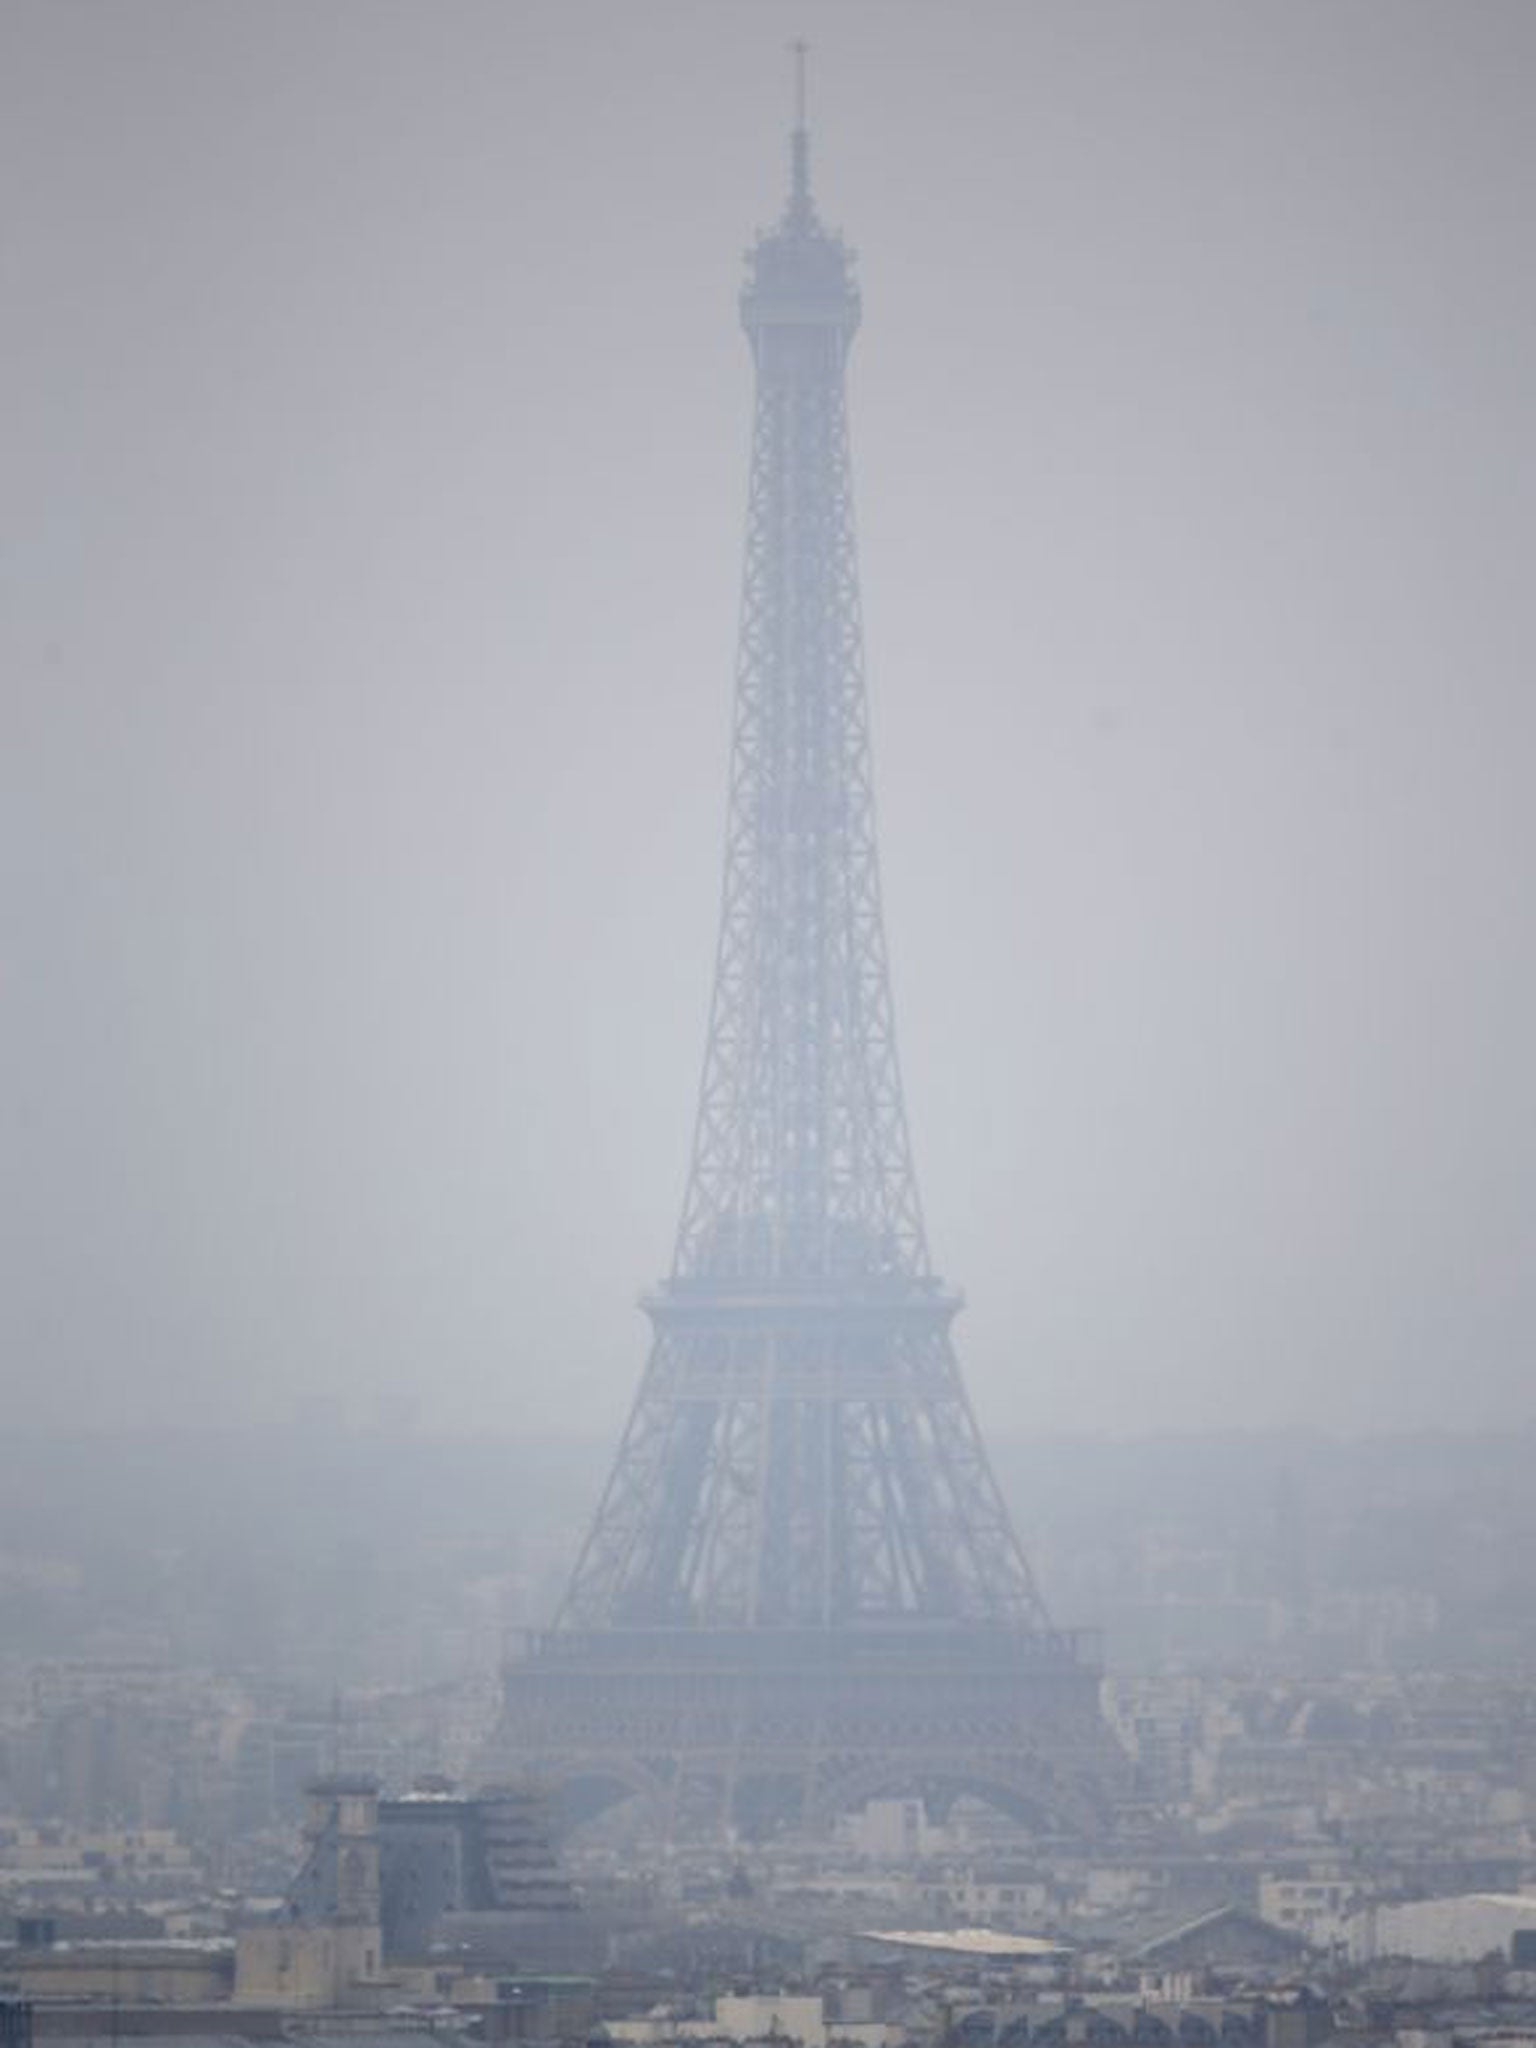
[802,1574]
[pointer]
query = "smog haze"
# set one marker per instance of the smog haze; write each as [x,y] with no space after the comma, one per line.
[378,421]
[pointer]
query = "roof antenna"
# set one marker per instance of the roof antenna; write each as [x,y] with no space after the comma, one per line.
[800,144]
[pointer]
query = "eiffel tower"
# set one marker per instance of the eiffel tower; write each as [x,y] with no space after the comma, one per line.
[802,1588]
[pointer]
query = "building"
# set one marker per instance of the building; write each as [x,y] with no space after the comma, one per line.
[326,1949]
[1464,1929]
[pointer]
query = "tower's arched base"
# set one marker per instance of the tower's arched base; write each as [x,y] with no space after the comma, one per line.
[755,1731]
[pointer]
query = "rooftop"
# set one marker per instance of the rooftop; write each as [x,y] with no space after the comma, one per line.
[972,1941]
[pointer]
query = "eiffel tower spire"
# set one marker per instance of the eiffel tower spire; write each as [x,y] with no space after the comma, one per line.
[799,214]
[801,1484]
[801,1164]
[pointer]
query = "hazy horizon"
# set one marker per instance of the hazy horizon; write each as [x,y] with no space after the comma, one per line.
[371,548]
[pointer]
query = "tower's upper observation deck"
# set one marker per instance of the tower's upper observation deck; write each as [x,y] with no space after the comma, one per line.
[799,275]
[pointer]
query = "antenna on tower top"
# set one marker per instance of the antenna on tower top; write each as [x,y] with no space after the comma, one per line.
[800,143]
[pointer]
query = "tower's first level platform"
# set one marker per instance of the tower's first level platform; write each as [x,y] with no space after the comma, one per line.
[751,1729]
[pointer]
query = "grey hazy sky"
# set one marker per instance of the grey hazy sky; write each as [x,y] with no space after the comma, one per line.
[376,425]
